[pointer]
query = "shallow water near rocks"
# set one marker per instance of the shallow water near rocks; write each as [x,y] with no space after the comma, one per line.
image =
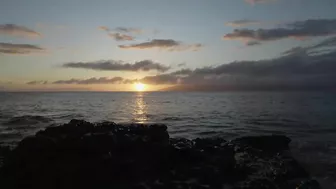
[307,117]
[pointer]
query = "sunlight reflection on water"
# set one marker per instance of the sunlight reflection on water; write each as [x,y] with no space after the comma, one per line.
[140,109]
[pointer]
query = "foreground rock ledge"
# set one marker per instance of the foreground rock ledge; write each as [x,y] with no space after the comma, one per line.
[106,155]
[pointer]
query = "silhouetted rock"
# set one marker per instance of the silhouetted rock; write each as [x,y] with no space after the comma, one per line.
[107,155]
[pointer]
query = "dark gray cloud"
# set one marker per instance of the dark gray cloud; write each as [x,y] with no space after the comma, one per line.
[37,82]
[90,81]
[298,30]
[10,48]
[160,79]
[241,23]
[113,65]
[164,44]
[297,67]
[15,30]
[184,71]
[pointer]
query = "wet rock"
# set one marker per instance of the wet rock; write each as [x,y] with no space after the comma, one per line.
[273,143]
[36,144]
[107,155]
[4,151]
[309,184]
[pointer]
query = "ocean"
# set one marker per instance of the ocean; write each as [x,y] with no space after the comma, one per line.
[309,118]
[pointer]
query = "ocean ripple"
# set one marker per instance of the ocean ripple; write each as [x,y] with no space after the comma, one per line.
[27,120]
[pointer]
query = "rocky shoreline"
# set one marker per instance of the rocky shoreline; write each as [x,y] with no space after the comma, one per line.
[107,155]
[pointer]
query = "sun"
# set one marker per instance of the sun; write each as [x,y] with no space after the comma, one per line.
[139,86]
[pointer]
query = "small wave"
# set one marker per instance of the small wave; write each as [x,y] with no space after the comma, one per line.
[10,135]
[172,119]
[177,118]
[4,115]
[209,133]
[69,116]
[27,119]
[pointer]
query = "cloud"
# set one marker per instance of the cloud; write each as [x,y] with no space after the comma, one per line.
[252,43]
[10,48]
[37,82]
[160,79]
[297,30]
[90,81]
[184,71]
[104,28]
[164,44]
[311,67]
[258,1]
[181,64]
[297,67]
[113,65]
[121,37]
[326,46]
[15,30]
[241,23]
[121,33]
[129,30]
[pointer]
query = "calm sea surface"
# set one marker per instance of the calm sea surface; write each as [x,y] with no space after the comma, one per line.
[309,118]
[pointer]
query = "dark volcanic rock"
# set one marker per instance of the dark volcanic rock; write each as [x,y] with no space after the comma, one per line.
[107,155]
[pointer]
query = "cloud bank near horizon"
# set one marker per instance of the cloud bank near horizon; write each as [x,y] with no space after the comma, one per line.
[300,67]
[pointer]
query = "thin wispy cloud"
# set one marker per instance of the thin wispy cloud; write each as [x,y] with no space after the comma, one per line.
[118,65]
[252,43]
[181,64]
[129,30]
[164,44]
[104,28]
[37,82]
[20,49]
[242,23]
[296,30]
[16,30]
[121,37]
[121,33]
[90,81]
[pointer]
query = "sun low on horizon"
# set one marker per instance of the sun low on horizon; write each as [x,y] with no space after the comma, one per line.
[139,87]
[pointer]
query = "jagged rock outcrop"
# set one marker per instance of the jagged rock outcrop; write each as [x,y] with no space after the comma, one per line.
[106,155]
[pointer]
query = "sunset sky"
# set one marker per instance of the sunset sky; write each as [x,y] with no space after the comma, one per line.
[112,44]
